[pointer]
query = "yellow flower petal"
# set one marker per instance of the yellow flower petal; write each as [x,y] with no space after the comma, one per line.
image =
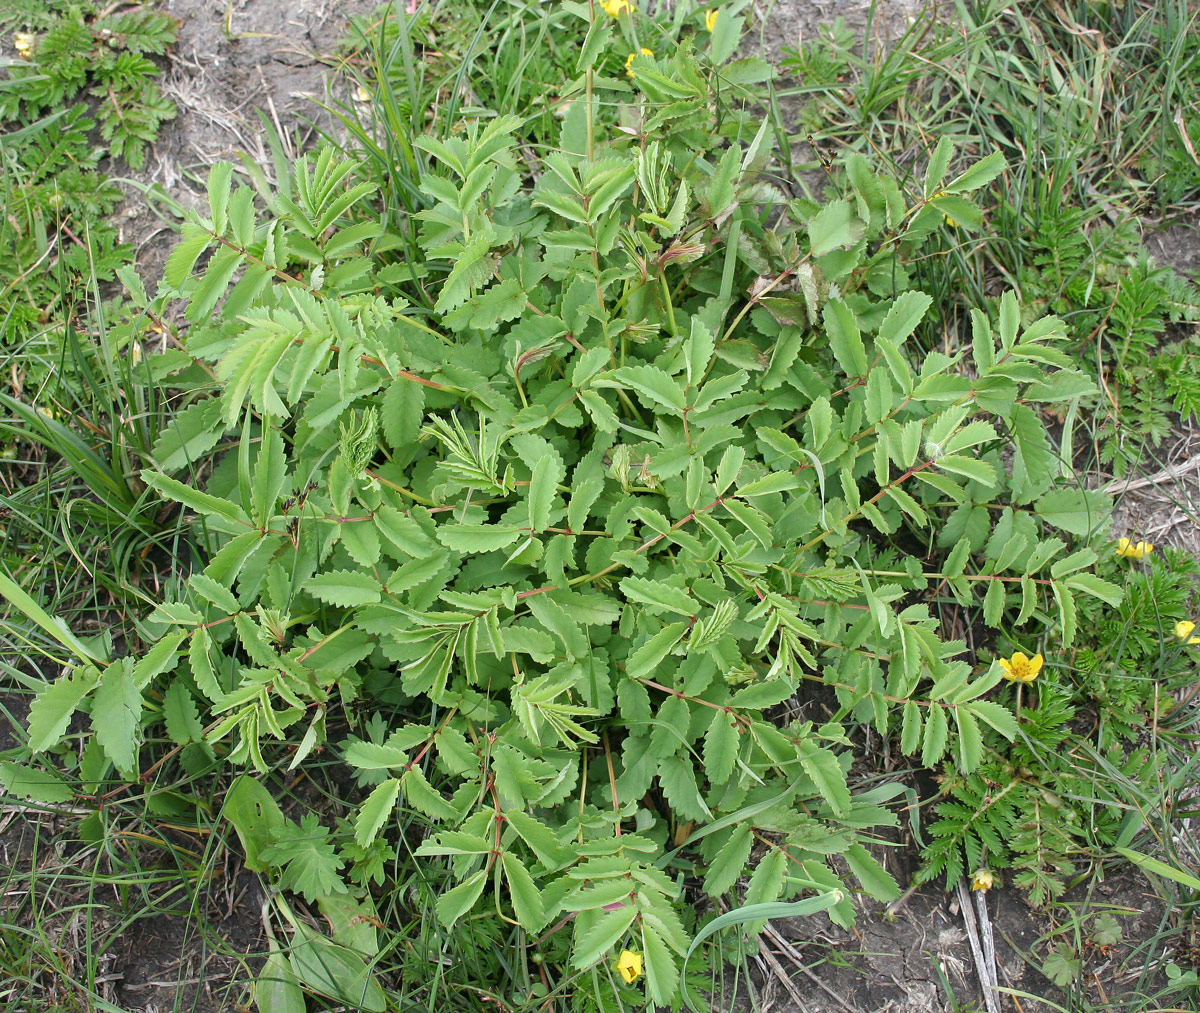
[1019,668]
[1131,550]
[983,880]
[1184,632]
[629,966]
[710,18]
[615,8]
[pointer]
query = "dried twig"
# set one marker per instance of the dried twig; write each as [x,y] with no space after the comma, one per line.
[783,978]
[984,951]
[794,956]
[1167,475]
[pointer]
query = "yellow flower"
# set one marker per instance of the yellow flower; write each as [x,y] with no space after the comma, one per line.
[23,43]
[710,18]
[615,8]
[1129,550]
[629,966]
[361,94]
[1019,668]
[633,56]
[983,880]
[1184,632]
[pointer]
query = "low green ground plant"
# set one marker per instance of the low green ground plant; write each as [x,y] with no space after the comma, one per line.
[1072,95]
[78,97]
[571,513]
[80,88]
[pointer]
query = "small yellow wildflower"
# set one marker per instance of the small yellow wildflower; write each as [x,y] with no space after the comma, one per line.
[1184,632]
[629,966]
[710,18]
[1129,550]
[983,880]
[361,94]
[1019,668]
[23,44]
[615,8]
[633,56]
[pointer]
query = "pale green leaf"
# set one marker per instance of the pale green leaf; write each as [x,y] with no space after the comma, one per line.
[194,499]
[834,226]
[477,537]
[275,987]
[346,588]
[721,743]
[21,781]
[54,706]
[375,810]
[543,488]
[875,879]
[117,715]
[526,897]
[603,936]
[659,966]
[844,338]
[730,862]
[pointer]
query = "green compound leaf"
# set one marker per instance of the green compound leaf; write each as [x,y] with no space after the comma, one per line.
[543,488]
[660,596]
[477,537]
[823,767]
[181,716]
[255,816]
[844,337]
[201,502]
[655,386]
